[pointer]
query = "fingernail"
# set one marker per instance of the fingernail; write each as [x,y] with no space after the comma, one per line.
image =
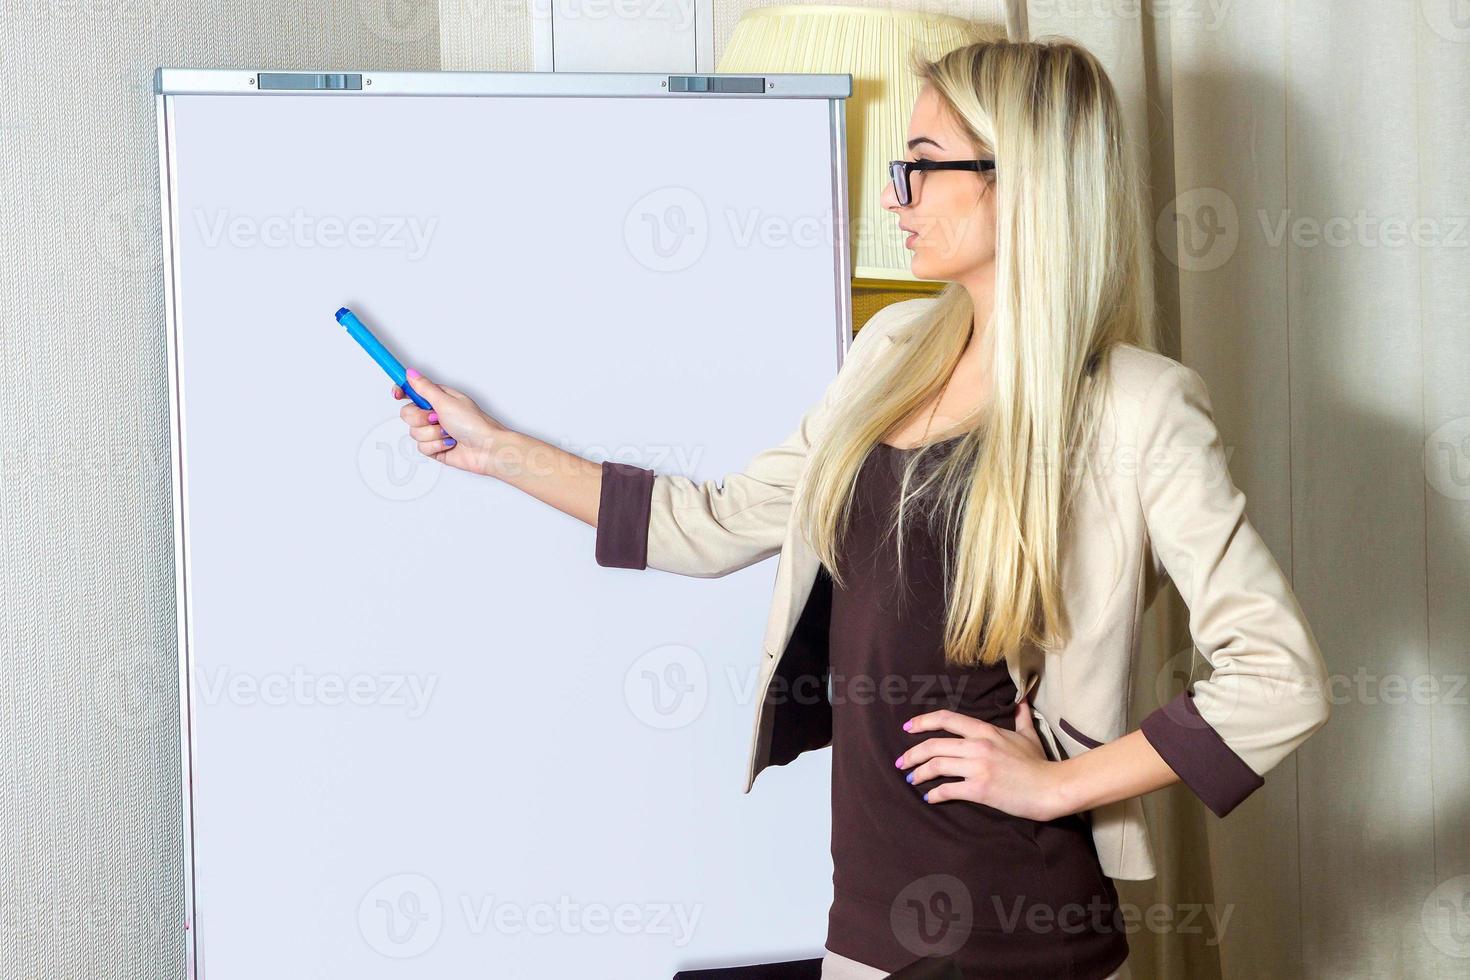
[433,416]
[910,778]
[413,374]
[906,726]
[926,797]
[898,762]
[449,442]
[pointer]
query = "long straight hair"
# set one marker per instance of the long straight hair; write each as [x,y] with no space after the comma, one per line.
[1070,286]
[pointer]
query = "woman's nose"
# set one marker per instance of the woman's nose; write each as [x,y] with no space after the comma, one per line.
[888,198]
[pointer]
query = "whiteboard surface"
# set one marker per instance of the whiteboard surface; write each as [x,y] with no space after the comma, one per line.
[428,735]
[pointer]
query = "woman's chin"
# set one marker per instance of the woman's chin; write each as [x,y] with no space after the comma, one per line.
[921,268]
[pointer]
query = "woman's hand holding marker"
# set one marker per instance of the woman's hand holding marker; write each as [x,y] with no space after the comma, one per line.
[473,432]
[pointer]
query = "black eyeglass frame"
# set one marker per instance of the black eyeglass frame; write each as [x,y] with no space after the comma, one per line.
[899,171]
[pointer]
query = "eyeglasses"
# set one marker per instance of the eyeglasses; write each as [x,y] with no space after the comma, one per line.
[899,171]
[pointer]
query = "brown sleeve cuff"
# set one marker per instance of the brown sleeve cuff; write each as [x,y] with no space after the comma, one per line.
[1194,750]
[622,515]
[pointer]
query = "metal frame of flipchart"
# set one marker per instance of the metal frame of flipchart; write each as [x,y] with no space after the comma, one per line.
[170,82]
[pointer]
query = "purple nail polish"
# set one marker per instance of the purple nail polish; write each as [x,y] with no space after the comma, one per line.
[910,779]
[448,442]
[926,797]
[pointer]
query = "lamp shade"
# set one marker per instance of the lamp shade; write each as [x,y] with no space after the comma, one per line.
[872,44]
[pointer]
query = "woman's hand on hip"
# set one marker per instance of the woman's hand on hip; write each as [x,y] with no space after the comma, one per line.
[456,432]
[1000,768]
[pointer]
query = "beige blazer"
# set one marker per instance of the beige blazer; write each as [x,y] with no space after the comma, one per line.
[1158,502]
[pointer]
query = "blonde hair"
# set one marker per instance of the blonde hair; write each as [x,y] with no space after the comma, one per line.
[1070,285]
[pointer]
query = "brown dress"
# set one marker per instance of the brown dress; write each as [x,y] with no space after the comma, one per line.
[1002,895]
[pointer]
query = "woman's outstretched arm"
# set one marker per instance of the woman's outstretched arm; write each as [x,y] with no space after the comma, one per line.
[480,444]
[645,519]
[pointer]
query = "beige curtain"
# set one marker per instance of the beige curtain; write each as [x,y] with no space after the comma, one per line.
[1311,197]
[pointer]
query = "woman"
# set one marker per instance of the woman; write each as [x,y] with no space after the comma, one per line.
[971,523]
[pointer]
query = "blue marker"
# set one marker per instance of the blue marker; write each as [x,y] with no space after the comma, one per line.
[379,353]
